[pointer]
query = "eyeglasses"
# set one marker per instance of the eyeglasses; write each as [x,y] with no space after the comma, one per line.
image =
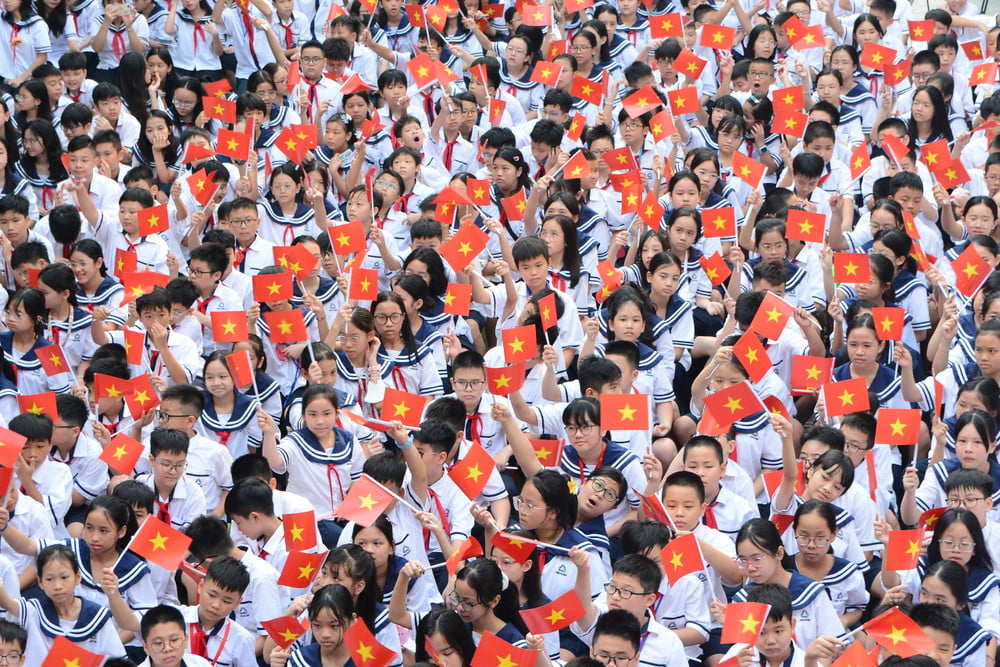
[184,103]
[348,339]
[243,222]
[171,467]
[583,429]
[630,127]
[856,446]
[468,384]
[623,593]
[197,273]
[773,246]
[617,660]
[11,657]
[460,604]
[389,185]
[960,547]
[159,646]
[394,318]
[754,560]
[964,502]
[805,540]
[517,51]
[603,489]
[266,94]
[758,75]
[520,502]
[164,416]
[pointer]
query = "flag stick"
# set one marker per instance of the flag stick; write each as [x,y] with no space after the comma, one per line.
[546,545]
[853,181]
[403,501]
[129,545]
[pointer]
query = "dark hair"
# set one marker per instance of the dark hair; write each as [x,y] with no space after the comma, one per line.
[952,575]
[169,441]
[643,569]
[163,613]
[11,633]
[618,623]
[136,494]
[980,555]
[834,460]
[487,580]
[335,598]
[688,479]
[449,625]
[60,278]
[936,616]
[53,553]
[250,495]
[36,428]
[229,573]
[120,513]
[209,537]
[777,596]
[823,509]
[762,534]
[359,566]
[554,489]
[251,466]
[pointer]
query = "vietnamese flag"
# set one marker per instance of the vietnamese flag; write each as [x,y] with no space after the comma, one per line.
[556,615]
[495,652]
[437,18]
[537,15]
[548,452]
[897,426]
[135,343]
[472,472]
[894,147]
[790,123]
[241,368]
[403,407]
[122,453]
[743,622]
[153,220]
[952,174]
[921,31]
[587,90]
[651,211]
[518,548]
[573,6]
[608,271]
[683,100]
[366,500]
[11,444]
[201,186]
[898,633]
[301,568]
[421,69]
[366,651]
[65,653]
[719,223]
[464,246]
[519,344]
[717,37]
[845,397]
[108,386]
[715,268]
[625,412]
[984,73]
[689,65]
[53,360]
[469,548]
[776,407]
[289,143]
[666,25]
[732,404]
[38,404]
[930,517]
[861,161]
[577,166]
[287,326]
[506,380]
[856,656]
[548,311]
[811,38]
[220,88]
[877,57]
[514,205]
[652,508]
[195,152]
[748,170]
[348,238]
[971,271]
[853,268]
[363,285]
[792,98]
[576,127]
[300,530]
[889,323]
[809,374]
[806,226]
[479,191]
[160,543]
[235,145]
[229,326]
[751,353]
[935,154]
[495,110]
[794,28]
[353,84]
[973,49]
[903,550]
[772,317]
[126,261]
[137,284]
[546,73]
[458,299]
[643,100]
[898,72]
[782,522]
[284,630]
[662,126]
[273,287]
[219,108]
[681,557]
[141,397]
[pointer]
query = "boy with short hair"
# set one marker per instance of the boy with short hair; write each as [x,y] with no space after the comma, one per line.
[76,121]
[942,625]
[859,433]
[80,452]
[42,479]
[165,640]
[775,645]
[205,268]
[617,638]
[237,281]
[110,156]
[182,297]
[215,636]
[109,411]
[73,69]
[179,501]
[15,224]
[121,232]
[725,511]
[111,116]
[803,176]
[405,161]
[973,490]
[468,379]
[253,252]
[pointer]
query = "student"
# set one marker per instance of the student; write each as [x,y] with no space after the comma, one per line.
[395,573]
[253,252]
[110,412]
[443,632]
[941,623]
[725,511]
[776,645]
[215,636]
[25,313]
[41,478]
[617,639]
[229,417]
[15,222]
[121,233]
[68,325]
[165,640]
[179,501]
[331,612]
[206,266]
[81,453]
[947,583]
[95,286]
[972,489]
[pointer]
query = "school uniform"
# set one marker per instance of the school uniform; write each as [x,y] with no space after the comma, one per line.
[249,43]
[208,466]
[931,494]
[261,597]
[134,582]
[970,644]
[281,228]
[253,258]
[286,371]
[73,335]
[237,431]
[317,92]
[150,250]
[90,474]
[846,585]
[452,508]
[184,504]
[228,644]
[55,482]
[182,347]
[814,613]
[31,377]
[193,32]
[117,42]
[322,476]
[659,647]
[797,658]
[728,512]
[413,371]
[32,519]
[570,329]
[25,39]
[94,630]
[108,294]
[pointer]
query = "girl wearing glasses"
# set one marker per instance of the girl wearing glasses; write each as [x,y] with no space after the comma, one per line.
[358,370]
[410,366]
[815,529]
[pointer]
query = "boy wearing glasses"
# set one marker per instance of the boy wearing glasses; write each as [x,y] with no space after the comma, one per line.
[179,501]
[617,638]
[205,268]
[164,638]
[468,379]
[253,252]
[973,490]
[13,640]
[633,588]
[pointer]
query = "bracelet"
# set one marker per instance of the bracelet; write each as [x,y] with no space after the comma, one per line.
[408,443]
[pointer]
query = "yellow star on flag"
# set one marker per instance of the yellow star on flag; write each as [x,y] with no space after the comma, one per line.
[734,404]
[229,327]
[465,248]
[367,502]
[790,123]
[113,392]
[306,572]
[886,324]
[812,373]
[556,615]
[773,315]
[142,397]
[851,268]
[400,410]
[898,427]
[273,288]
[677,560]
[285,327]
[970,270]
[289,636]
[847,398]
[365,652]
[474,473]
[897,635]
[751,356]
[505,661]
[119,453]
[750,624]
[343,239]
[517,345]
[159,542]
[627,413]
[365,284]
[913,549]
[296,532]
[502,382]
[232,144]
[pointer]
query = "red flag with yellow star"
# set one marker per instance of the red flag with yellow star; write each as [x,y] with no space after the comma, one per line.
[889,322]
[518,548]
[135,343]
[984,73]
[284,630]
[715,268]
[877,57]
[65,653]
[537,15]
[681,557]
[53,360]
[229,326]
[576,127]
[122,453]
[930,517]
[577,166]
[300,530]
[514,205]
[201,186]
[137,284]
[719,223]
[662,126]
[641,101]
[38,404]
[141,396]
[108,386]
[153,220]
[11,444]
[403,406]
[897,426]
[547,311]
[458,299]
[287,326]
[220,88]
[921,31]
[683,100]
[160,543]
[366,500]
[903,550]
[506,380]
[743,622]
[196,153]
[971,271]
[301,568]
[751,353]
[219,108]
[689,65]
[809,374]
[548,452]
[348,238]
[790,123]
[235,145]
[851,267]
[951,174]
[587,90]
[856,656]
[625,412]
[788,98]
[241,368]
[748,170]
[297,259]
[126,261]
[495,652]
[469,548]
[519,344]
[812,37]
[464,245]
[366,651]
[935,153]
[772,317]
[556,615]
[666,25]
[733,403]
[363,285]
[651,211]
[478,191]
[806,226]
[621,159]
[652,508]
[973,49]
[421,69]
[546,73]
[472,472]
[861,161]
[273,287]
[845,397]
[717,37]
[898,633]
